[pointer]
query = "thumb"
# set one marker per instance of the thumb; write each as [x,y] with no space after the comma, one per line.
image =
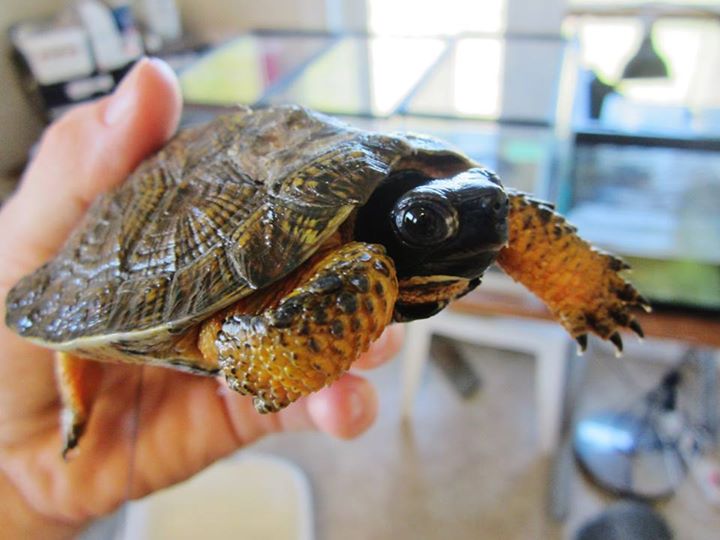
[88,151]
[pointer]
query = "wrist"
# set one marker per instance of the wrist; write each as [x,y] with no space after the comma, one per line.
[20,520]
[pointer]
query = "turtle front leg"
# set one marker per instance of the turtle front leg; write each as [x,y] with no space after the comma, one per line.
[77,381]
[314,333]
[581,285]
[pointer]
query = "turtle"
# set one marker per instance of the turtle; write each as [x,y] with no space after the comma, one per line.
[272,245]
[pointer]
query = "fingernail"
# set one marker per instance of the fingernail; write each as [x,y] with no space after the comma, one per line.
[164,68]
[123,98]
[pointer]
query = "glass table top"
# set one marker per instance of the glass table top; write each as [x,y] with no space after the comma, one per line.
[494,78]
[244,69]
[447,88]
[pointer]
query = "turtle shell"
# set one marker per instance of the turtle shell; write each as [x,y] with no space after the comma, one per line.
[222,210]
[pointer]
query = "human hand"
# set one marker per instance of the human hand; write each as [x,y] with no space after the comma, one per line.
[185,422]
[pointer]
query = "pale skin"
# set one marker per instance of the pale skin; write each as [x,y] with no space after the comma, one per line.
[185,422]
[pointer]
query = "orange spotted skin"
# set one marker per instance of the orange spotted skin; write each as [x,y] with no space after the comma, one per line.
[581,285]
[422,289]
[313,335]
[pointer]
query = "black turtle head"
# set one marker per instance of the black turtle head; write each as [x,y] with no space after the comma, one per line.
[441,233]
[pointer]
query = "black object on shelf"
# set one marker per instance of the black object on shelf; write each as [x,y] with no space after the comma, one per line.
[646,63]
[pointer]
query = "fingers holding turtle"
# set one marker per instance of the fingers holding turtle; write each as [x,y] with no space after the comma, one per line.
[582,286]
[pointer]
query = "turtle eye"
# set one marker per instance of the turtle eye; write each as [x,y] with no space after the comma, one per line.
[425,222]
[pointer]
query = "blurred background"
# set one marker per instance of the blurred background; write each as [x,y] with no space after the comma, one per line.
[608,108]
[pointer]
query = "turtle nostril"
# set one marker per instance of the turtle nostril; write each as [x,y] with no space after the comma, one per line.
[500,208]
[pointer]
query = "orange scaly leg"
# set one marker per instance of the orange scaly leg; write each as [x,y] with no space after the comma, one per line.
[581,285]
[312,334]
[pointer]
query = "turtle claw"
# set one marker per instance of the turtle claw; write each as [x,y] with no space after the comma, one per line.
[71,430]
[617,341]
[77,380]
[635,327]
[617,264]
[582,341]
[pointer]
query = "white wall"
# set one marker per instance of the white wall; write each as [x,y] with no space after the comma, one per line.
[211,19]
[19,127]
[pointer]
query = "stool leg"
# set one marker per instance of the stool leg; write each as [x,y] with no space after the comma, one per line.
[551,366]
[415,356]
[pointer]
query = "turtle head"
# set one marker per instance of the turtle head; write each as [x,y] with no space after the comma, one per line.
[441,233]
